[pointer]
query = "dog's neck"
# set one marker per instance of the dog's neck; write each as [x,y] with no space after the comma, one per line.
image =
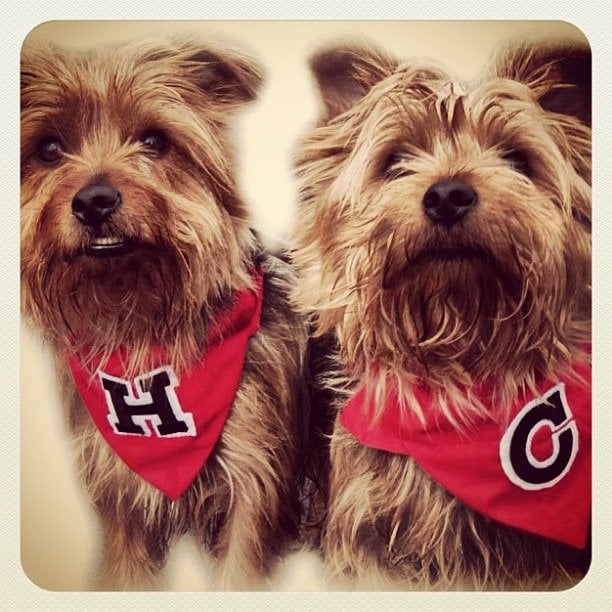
[183,340]
[458,373]
[452,343]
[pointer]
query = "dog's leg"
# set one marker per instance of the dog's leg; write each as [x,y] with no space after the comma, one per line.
[127,563]
[136,544]
[257,464]
[368,514]
[344,541]
[138,522]
[244,559]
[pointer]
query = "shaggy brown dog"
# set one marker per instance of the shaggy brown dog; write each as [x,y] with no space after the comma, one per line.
[443,238]
[135,239]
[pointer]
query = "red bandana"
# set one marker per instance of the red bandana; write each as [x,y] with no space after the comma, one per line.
[535,475]
[165,428]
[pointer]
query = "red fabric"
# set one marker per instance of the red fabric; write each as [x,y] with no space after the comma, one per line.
[205,394]
[475,466]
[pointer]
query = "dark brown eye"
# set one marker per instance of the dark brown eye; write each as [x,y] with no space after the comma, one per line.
[155,142]
[519,162]
[49,150]
[397,166]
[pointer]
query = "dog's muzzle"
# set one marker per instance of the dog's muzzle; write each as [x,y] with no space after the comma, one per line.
[93,206]
[447,202]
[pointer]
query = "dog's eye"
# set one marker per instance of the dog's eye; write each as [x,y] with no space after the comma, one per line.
[396,166]
[155,142]
[519,162]
[49,150]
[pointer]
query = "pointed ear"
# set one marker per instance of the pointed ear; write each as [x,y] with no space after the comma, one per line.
[560,74]
[34,63]
[345,73]
[27,73]
[227,75]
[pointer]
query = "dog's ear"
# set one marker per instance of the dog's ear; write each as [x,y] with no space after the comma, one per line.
[345,73]
[42,67]
[34,65]
[559,74]
[27,69]
[227,75]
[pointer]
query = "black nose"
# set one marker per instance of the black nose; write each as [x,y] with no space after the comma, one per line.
[95,204]
[447,202]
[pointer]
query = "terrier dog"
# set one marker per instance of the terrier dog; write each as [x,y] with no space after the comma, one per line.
[443,238]
[178,354]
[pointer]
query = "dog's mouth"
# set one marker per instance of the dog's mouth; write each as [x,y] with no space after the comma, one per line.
[108,246]
[439,256]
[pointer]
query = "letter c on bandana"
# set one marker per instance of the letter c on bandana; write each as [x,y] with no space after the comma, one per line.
[518,461]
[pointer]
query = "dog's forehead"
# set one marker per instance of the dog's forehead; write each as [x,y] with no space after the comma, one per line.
[77,94]
[451,89]
[105,80]
[446,104]
[414,87]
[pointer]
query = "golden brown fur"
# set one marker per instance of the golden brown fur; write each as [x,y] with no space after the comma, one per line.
[501,297]
[191,251]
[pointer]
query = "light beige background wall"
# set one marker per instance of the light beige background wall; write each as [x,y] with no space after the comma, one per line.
[59,531]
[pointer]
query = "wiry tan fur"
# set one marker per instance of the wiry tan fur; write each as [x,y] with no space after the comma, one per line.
[193,251]
[502,297]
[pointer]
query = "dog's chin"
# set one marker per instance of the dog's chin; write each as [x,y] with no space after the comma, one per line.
[127,286]
[120,265]
[440,265]
[457,254]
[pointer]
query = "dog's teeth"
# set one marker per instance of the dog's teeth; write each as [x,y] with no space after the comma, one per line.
[106,241]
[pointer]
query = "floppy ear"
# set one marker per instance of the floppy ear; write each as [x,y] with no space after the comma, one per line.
[560,74]
[345,73]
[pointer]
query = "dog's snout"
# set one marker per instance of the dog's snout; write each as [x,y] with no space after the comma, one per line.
[94,204]
[447,202]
